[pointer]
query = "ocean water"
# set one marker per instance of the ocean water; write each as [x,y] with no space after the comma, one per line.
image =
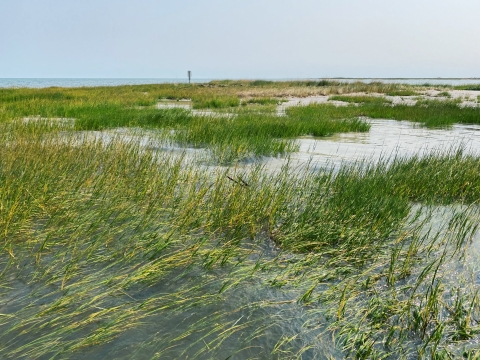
[416,81]
[79,82]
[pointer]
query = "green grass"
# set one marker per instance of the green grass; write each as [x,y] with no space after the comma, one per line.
[111,246]
[216,103]
[261,82]
[310,121]
[402,92]
[475,87]
[101,239]
[230,139]
[361,99]
[263,101]
[365,203]
[253,135]
[431,113]
[444,94]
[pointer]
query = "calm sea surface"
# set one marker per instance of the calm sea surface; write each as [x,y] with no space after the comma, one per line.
[416,81]
[78,82]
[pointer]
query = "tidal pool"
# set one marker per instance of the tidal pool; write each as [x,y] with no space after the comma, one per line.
[386,139]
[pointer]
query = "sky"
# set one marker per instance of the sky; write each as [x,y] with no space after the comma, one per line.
[239,39]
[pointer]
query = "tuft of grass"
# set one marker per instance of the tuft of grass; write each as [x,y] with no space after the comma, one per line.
[361,99]
[322,120]
[431,113]
[216,103]
[444,94]
[263,101]
[261,82]
[402,92]
[475,87]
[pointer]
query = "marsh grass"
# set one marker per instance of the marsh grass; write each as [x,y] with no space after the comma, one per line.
[216,103]
[96,222]
[253,135]
[107,242]
[444,94]
[245,135]
[365,203]
[263,101]
[475,87]
[402,92]
[361,99]
[321,120]
[431,113]
[95,232]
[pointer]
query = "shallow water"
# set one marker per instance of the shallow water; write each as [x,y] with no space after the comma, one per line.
[255,305]
[188,105]
[173,104]
[386,139]
[263,315]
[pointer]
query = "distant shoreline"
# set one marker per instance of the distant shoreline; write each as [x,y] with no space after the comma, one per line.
[94,82]
[399,78]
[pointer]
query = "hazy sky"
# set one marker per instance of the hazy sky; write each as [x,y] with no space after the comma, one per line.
[239,38]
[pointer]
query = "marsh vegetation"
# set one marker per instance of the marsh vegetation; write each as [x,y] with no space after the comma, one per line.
[121,244]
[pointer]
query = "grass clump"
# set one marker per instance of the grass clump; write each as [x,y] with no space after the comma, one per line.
[392,262]
[263,101]
[216,103]
[252,135]
[114,116]
[474,87]
[431,113]
[239,138]
[324,120]
[361,99]
[444,94]
[402,92]
[94,227]
[261,82]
